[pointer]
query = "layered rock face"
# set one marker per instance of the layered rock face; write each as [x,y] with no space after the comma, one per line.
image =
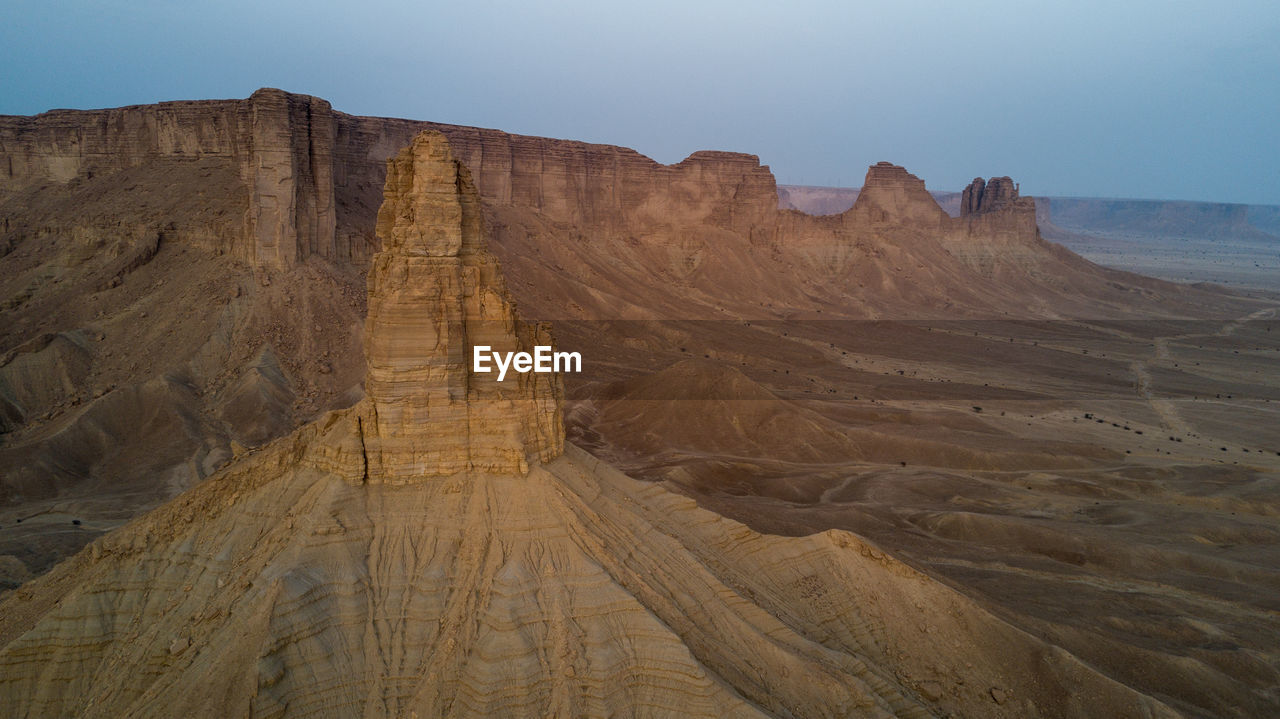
[307,179]
[270,156]
[296,180]
[292,212]
[435,292]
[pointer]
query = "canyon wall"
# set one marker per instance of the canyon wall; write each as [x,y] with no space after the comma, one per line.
[310,178]
[277,178]
[279,145]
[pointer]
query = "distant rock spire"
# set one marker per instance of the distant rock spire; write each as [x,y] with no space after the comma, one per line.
[995,194]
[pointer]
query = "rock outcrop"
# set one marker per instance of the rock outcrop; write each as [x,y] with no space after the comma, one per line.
[989,196]
[306,180]
[993,213]
[435,292]
[890,194]
[270,157]
[289,171]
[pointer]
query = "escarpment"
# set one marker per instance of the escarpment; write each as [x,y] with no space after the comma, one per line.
[264,165]
[207,234]
[277,179]
[293,179]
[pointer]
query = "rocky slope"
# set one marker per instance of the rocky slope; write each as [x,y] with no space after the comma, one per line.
[431,551]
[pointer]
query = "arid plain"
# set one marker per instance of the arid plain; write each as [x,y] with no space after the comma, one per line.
[976,474]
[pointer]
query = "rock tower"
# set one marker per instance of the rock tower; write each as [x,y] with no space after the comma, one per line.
[435,291]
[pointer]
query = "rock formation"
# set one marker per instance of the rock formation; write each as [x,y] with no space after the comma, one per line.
[292,212]
[398,559]
[274,150]
[215,254]
[893,195]
[435,292]
[282,178]
[996,223]
[303,179]
[174,300]
[121,225]
[980,196]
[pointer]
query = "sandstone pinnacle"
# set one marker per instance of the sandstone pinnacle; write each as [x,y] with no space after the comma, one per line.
[989,196]
[435,291]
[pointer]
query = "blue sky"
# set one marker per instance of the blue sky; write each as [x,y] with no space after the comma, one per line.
[1154,99]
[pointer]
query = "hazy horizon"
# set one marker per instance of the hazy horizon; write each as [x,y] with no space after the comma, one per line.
[1152,100]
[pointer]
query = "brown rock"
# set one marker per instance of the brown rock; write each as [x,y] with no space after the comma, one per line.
[284,177]
[971,197]
[435,291]
[996,194]
[931,690]
[891,194]
[295,179]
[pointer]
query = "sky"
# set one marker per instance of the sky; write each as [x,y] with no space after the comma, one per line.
[1160,99]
